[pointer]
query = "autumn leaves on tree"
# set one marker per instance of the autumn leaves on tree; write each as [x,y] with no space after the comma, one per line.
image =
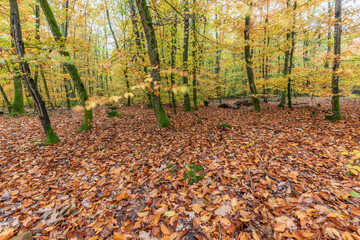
[199,51]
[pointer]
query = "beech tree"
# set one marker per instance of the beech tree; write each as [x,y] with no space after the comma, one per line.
[16,34]
[335,100]
[153,52]
[69,65]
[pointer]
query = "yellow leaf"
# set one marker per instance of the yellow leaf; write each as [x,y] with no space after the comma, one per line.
[169,214]
[197,208]
[225,223]
[333,233]
[335,215]
[7,234]
[165,230]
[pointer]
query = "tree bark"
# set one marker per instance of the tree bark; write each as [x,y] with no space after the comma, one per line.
[146,20]
[7,102]
[335,101]
[248,61]
[187,103]
[194,55]
[70,66]
[172,61]
[51,136]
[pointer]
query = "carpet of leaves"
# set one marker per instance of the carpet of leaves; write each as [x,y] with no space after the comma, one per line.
[275,175]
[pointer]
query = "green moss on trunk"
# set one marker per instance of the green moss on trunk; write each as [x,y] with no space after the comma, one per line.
[256,104]
[162,118]
[51,136]
[283,100]
[87,122]
[18,104]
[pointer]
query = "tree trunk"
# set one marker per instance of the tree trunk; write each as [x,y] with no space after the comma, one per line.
[187,103]
[172,61]
[194,55]
[7,102]
[25,69]
[146,20]
[70,66]
[292,49]
[46,87]
[335,101]
[217,62]
[139,47]
[248,61]
[17,106]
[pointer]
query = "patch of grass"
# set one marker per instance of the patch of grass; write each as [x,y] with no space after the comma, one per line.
[226,125]
[194,174]
[169,165]
[114,113]
[173,170]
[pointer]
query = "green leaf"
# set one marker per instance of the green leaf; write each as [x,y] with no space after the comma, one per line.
[354,194]
[169,214]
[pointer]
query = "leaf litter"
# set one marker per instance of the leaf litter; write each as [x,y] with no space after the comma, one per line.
[282,174]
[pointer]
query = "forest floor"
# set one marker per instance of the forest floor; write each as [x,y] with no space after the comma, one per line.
[275,175]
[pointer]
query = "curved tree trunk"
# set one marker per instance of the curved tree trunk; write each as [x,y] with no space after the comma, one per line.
[69,65]
[25,69]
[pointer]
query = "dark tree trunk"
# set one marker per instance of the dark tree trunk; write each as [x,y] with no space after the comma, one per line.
[139,46]
[187,103]
[25,69]
[146,20]
[7,102]
[69,65]
[335,101]
[248,61]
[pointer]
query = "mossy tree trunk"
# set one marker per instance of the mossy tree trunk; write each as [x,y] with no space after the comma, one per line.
[335,101]
[146,20]
[248,60]
[51,136]
[69,65]
[17,107]
[187,103]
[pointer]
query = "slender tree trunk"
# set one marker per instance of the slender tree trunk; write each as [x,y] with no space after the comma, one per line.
[187,103]
[194,55]
[46,87]
[7,102]
[248,61]
[70,66]
[328,37]
[146,20]
[335,101]
[25,69]
[292,49]
[139,47]
[172,61]
[217,62]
